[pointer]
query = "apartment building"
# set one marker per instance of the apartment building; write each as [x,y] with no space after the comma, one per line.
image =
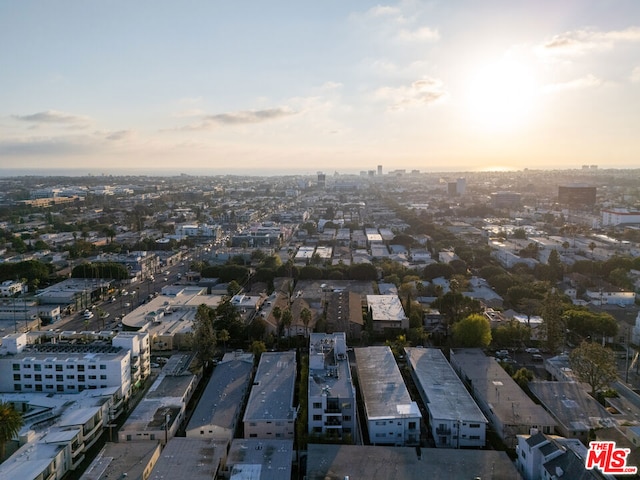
[331,393]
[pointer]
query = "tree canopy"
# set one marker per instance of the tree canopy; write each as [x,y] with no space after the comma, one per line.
[472,331]
[593,364]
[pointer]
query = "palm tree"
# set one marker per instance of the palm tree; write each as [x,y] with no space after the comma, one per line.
[305,316]
[10,423]
[287,318]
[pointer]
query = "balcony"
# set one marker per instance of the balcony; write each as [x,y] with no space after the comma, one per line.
[443,431]
[333,422]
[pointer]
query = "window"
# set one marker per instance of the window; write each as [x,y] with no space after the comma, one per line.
[474,437]
[253,435]
[317,405]
[16,367]
[49,377]
[59,378]
[381,422]
[70,377]
[16,377]
[38,377]
[38,388]
[49,387]
[58,368]
[81,368]
[474,425]
[71,387]
[60,388]
[92,367]
[103,367]
[92,377]
[412,425]
[81,378]
[379,435]
[70,367]
[27,365]
[103,377]
[28,375]
[317,418]
[48,367]
[81,388]
[37,367]
[17,387]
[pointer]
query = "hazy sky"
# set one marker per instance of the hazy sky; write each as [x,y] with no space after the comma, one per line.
[319,85]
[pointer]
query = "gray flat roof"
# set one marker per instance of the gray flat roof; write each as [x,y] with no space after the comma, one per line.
[258,459]
[447,397]
[115,459]
[189,458]
[271,395]
[340,386]
[367,462]
[571,405]
[223,396]
[381,382]
[492,385]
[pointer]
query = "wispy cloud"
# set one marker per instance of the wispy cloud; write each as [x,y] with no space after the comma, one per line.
[423,34]
[425,91]
[121,135]
[245,117]
[580,42]
[55,117]
[588,81]
[37,146]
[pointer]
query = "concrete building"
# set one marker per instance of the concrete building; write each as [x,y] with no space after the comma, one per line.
[575,411]
[577,195]
[218,411]
[403,463]
[331,394]
[392,417]
[509,410]
[386,312]
[505,199]
[259,459]
[270,412]
[190,458]
[10,288]
[161,412]
[455,419]
[619,216]
[63,367]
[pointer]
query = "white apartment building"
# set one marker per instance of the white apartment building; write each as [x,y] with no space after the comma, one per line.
[392,417]
[138,344]
[455,419]
[270,412]
[331,394]
[63,367]
[9,288]
[387,312]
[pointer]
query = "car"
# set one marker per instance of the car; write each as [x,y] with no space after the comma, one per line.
[88,314]
[532,350]
[166,279]
[502,353]
[125,293]
[127,305]
[536,357]
[104,315]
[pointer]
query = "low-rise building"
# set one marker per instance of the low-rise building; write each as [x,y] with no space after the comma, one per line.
[505,405]
[332,397]
[386,312]
[455,419]
[259,459]
[392,417]
[270,412]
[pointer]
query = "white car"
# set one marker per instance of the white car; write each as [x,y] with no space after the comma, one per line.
[88,314]
[127,305]
[532,350]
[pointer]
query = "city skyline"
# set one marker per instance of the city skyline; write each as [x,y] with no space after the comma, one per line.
[277,87]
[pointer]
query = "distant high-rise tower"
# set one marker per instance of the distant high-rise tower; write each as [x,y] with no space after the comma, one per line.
[322,180]
[461,186]
[379,170]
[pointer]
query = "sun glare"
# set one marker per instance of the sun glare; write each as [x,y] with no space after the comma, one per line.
[501,96]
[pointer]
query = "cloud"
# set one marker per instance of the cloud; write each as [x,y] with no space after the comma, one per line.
[245,117]
[425,91]
[54,117]
[38,146]
[424,34]
[580,42]
[384,11]
[121,135]
[588,81]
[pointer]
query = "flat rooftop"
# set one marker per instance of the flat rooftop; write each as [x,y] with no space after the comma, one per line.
[447,397]
[223,396]
[271,395]
[386,307]
[335,374]
[189,458]
[258,459]
[381,383]
[367,462]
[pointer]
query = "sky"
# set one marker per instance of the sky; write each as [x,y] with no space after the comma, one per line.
[279,86]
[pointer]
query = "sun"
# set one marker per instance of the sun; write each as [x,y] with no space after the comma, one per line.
[501,96]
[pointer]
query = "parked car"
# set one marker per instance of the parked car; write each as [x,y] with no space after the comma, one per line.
[88,314]
[536,357]
[532,350]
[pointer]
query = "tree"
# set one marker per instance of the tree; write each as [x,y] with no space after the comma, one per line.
[233,288]
[472,331]
[522,377]
[204,336]
[593,364]
[223,336]
[287,319]
[553,322]
[10,423]
[257,348]
[512,334]
[305,316]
